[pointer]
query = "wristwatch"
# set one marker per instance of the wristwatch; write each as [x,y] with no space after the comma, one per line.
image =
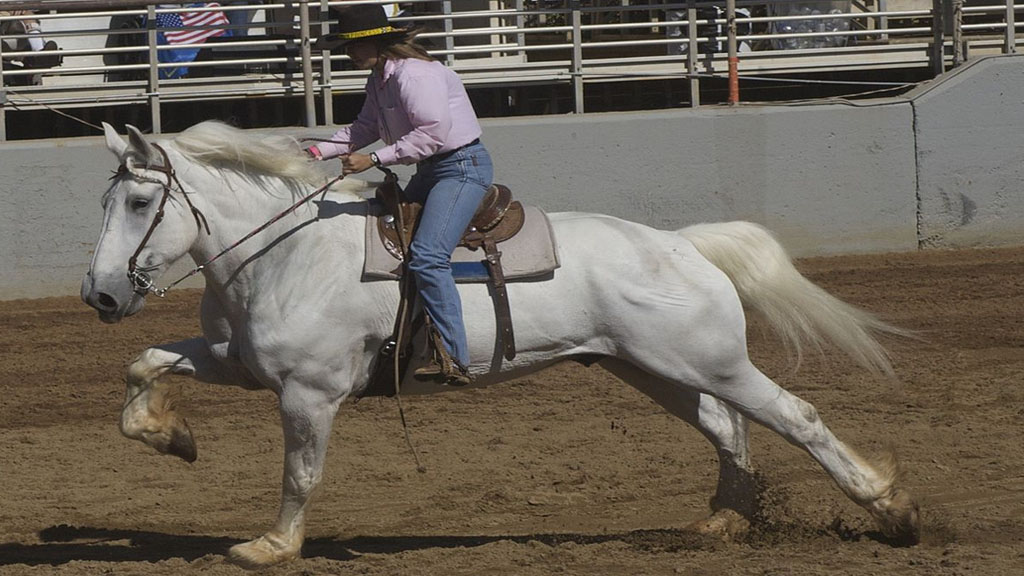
[375,160]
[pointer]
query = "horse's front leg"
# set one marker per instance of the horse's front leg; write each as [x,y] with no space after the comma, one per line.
[306,419]
[148,414]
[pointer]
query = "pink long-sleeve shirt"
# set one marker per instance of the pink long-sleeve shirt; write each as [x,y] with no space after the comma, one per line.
[417,108]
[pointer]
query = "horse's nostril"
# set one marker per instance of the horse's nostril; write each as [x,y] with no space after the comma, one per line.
[107,301]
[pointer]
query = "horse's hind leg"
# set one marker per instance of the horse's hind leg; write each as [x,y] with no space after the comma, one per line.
[735,501]
[148,414]
[761,400]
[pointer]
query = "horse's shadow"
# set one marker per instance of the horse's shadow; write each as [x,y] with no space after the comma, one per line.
[63,544]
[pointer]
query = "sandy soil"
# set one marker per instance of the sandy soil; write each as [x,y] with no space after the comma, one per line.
[566,472]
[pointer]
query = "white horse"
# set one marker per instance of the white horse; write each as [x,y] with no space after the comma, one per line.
[288,311]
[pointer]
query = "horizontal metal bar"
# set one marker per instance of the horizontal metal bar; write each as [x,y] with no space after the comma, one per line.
[494,54]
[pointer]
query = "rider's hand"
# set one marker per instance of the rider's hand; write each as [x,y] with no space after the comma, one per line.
[355,163]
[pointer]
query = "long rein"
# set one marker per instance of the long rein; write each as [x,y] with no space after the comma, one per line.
[144,284]
[140,277]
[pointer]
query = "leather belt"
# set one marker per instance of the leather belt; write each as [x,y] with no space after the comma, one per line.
[446,155]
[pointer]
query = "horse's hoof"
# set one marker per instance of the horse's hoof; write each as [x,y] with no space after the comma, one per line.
[725,524]
[260,553]
[168,436]
[182,444]
[900,518]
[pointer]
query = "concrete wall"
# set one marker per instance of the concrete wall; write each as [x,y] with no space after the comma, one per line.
[942,167]
[828,179]
[970,155]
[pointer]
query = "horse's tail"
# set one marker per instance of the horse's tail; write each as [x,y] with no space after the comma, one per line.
[799,311]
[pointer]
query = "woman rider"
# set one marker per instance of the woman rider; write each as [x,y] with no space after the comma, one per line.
[420,110]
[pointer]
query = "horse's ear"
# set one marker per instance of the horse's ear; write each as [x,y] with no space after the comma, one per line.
[142,151]
[115,143]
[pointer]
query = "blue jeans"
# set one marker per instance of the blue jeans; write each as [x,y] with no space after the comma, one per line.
[451,190]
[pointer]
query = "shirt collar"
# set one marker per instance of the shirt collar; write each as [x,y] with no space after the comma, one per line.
[390,67]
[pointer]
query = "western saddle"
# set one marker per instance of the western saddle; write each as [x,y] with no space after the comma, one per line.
[497,219]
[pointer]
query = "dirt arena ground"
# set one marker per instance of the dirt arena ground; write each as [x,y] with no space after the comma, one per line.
[565,472]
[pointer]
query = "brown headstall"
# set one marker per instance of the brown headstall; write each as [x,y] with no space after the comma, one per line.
[140,278]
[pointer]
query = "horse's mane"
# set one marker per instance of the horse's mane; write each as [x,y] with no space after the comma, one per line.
[221,145]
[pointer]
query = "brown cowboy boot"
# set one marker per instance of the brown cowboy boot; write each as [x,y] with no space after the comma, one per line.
[442,368]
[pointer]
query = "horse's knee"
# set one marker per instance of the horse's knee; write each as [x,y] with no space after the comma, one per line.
[143,368]
[153,363]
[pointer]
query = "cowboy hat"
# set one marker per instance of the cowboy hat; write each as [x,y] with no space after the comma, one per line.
[359,22]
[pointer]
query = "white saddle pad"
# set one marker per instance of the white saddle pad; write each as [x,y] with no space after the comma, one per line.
[530,253]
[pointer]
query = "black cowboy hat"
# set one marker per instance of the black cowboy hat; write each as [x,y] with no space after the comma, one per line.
[359,22]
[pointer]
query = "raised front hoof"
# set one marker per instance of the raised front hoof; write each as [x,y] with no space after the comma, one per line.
[726,525]
[260,553]
[899,518]
[175,439]
[183,444]
[168,436]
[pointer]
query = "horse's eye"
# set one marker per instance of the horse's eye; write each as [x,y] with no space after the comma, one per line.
[139,203]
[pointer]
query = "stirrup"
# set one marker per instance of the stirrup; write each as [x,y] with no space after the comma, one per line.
[433,372]
[442,368]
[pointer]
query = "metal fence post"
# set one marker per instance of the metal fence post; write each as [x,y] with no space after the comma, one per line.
[577,57]
[1010,42]
[154,70]
[520,25]
[883,21]
[938,38]
[307,64]
[956,22]
[449,27]
[734,60]
[326,93]
[3,115]
[3,96]
[691,53]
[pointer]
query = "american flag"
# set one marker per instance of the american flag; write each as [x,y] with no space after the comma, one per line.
[190,19]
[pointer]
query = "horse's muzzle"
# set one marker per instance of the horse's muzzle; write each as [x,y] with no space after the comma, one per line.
[112,303]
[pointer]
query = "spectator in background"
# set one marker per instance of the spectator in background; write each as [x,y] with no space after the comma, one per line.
[126,31]
[242,18]
[34,42]
[187,31]
[716,34]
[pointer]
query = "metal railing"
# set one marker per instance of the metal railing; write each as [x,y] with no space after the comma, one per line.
[115,52]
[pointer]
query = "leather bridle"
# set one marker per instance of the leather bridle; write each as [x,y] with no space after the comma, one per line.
[139,277]
[141,280]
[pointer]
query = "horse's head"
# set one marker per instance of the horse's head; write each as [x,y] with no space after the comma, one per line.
[146,220]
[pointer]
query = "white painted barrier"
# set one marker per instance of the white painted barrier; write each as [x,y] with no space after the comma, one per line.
[943,167]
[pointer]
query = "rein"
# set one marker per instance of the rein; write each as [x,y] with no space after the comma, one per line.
[144,284]
[140,277]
